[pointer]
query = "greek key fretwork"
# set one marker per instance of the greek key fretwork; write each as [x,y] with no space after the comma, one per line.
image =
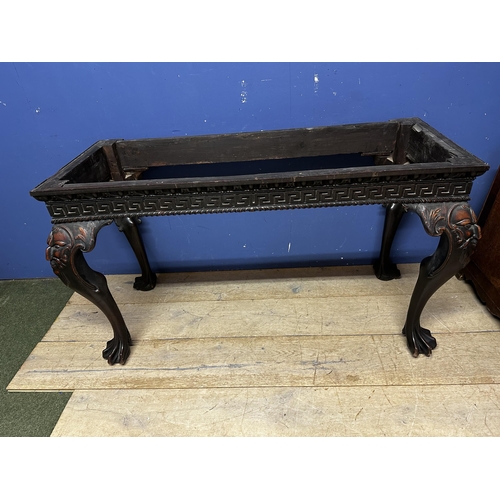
[170,202]
[325,195]
[152,205]
[243,200]
[393,191]
[279,198]
[293,198]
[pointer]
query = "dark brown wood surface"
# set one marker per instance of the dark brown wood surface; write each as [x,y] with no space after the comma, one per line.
[483,270]
[113,162]
[401,145]
[376,138]
[116,165]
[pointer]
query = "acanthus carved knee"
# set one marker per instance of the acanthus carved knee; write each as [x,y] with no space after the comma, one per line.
[455,220]
[65,240]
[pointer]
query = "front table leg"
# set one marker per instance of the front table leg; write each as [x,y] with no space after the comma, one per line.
[66,244]
[456,224]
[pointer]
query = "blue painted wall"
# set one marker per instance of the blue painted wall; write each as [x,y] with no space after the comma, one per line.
[49,113]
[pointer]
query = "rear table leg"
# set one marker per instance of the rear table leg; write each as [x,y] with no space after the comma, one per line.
[384,268]
[128,225]
[456,224]
[66,244]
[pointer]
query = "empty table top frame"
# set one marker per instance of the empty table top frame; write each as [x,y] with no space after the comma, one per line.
[404,164]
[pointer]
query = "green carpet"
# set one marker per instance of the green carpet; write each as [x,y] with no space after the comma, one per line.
[27,310]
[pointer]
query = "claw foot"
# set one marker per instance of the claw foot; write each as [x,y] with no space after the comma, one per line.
[420,341]
[117,350]
[145,284]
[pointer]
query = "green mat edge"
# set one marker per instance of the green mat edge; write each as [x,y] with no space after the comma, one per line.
[28,308]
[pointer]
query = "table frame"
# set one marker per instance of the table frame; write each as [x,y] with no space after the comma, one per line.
[415,169]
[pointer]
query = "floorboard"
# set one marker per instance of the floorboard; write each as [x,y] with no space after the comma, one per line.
[287,352]
[467,410]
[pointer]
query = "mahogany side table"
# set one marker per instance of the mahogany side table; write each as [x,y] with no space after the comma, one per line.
[405,165]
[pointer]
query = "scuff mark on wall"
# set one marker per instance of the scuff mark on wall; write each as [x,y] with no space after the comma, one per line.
[6,104]
[316,82]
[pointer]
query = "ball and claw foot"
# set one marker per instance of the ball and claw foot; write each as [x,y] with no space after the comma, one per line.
[420,341]
[145,284]
[117,351]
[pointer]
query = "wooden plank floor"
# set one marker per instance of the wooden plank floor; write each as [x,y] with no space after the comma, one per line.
[298,352]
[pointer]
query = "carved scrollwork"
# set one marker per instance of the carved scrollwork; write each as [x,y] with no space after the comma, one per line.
[463,224]
[65,240]
[456,220]
[58,252]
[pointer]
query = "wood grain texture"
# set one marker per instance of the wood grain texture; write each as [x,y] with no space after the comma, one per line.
[248,146]
[289,352]
[315,361]
[483,271]
[461,410]
[267,317]
[323,301]
[313,282]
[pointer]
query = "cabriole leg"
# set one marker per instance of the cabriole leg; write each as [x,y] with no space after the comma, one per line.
[384,268]
[128,225]
[66,244]
[455,223]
